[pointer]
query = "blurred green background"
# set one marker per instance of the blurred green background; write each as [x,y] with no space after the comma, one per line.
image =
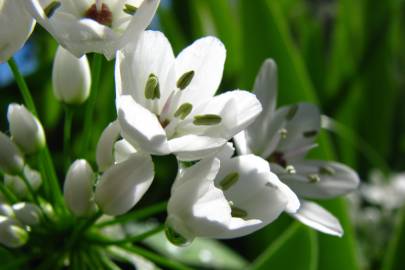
[346,56]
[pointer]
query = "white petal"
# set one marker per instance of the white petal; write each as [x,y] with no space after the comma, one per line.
[237,110]
[193,147]
[133,68]
[123,150]
[16,26]
[11,159]
[124,184]
[104,151]
[206,57]
[27,213]
[140,127]
[339,181]
[314,216]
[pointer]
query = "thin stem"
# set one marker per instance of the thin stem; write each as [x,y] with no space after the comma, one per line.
[136,215]
[67,133]
[81,229]
[47,167]
[88,115]
[162,261]
[131,239]
[25,92]
[10,197]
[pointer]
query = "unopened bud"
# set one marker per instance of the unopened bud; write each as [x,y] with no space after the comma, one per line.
[11,160]
[18,186]
[70,77]
[6,210]
[27,213]
[26,130]
[12,234]
[78,188]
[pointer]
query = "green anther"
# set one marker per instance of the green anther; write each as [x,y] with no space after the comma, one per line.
[130,9]
[152,89]
[51,8]
[326,170]
[313,178]
[185,79]
[292,112]
[183,111]
[310,134]
[237,212]
[207,120]
[229,180]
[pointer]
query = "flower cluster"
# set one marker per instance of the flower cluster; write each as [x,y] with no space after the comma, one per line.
[166,105]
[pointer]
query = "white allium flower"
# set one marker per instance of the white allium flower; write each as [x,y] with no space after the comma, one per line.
[17,185]
[283,137]
[101,26]
[16,26]
[105,146]
[78,188]
[71,77]
[26,130]
[27,213]
[167,105]
[11,159]
[224,197]
[12,234]
[123,184]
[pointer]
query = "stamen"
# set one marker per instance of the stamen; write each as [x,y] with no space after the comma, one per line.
[183,111]
[238,212]
[130,9]
[229,180]
[207,120]
[326,170]
[311,133]
[313,178]
[152,89]
[51,8]
[102,14]
[283,133]
[292,112]
[185,80]
[290,169]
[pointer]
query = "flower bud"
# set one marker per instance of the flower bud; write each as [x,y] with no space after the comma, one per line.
[27,213]
[18,186]
[12,234]
[78,188]
[11,160]
[6,210]
[26,130]
[71,77]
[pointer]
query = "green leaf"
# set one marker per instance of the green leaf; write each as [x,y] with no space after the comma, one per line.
[296,248]
[394,259]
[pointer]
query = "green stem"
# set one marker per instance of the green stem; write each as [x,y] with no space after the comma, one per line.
[67,133]
[136,215]
[162,261]
[10,197]
[130,239]
[48,168]
[81,229]
[25,92]
[88,115]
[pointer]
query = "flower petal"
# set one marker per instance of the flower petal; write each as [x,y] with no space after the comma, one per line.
[206,57]
[134,68]
[321,179]
[105,145]
[314,216]
[140,127]
[124,184]
[193,147]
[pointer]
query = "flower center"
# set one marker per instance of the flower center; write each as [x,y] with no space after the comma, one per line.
[102,16]
[278,158]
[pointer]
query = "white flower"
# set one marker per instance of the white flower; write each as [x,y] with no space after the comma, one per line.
[6,210]
[167,104]
[78,188]
[101,26]
[105,146]
[71,77]
[123,184]
[26,130]
[225,198]
[283,137]
[17,185]
[27,213]
[12,234]
[11,159]
[16,26]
